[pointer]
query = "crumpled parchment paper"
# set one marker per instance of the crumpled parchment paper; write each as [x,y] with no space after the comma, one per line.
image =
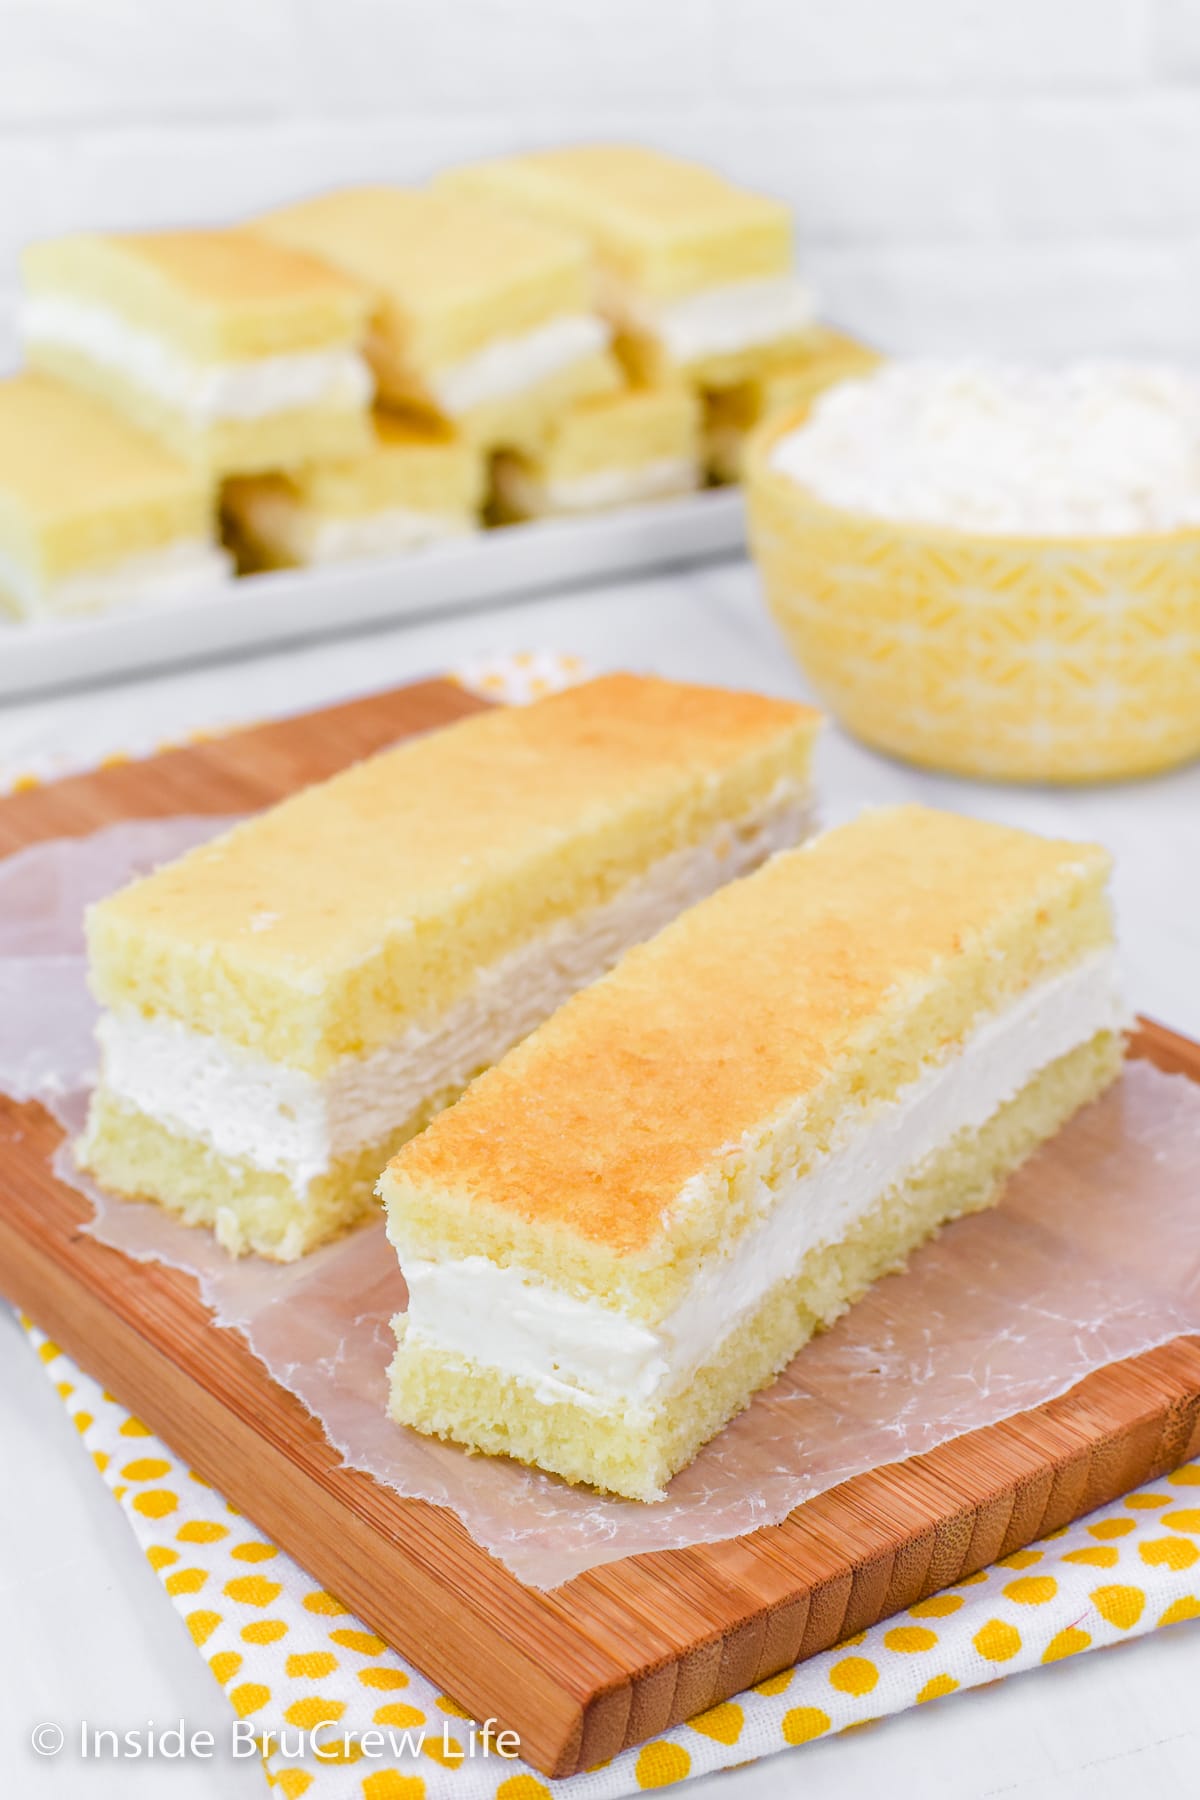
[1093,1255]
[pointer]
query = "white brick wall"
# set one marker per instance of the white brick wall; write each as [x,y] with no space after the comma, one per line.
[1022,175]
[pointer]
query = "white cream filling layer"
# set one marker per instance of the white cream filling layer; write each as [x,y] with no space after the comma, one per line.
[600,1358]
[205,393]
[147,578]
[720,320]
[282,1119]
[510,365]
[385,533]
[526,492]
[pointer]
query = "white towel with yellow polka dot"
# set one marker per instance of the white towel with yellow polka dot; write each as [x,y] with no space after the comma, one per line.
[291,1658]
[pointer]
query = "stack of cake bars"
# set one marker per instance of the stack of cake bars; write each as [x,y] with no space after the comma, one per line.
[638,1216]
[375,369]
[283,1007]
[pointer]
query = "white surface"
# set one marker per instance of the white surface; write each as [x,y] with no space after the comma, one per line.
[87,1631]
[601,1359]
[966,174]
[469,570]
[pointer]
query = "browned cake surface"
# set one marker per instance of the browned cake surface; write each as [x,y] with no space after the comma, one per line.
[742,1006]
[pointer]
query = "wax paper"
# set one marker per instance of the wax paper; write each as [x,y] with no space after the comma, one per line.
[1092,1255]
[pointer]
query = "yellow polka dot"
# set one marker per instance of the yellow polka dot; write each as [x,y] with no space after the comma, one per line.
[936,1687]
[293,1782]
[1112,1528]
[973,1580]
[201,1531]
[1146,1502]
[775,1684]
[658,1765]
[938,1606]
[64,1389]
[522,1787]
[1179,1610]
[1121,1606]
[155,1503]
[312,1710]
[1169,1552]
[447,1705]
[48,1351]
[1031,1590]
[264,1631]
[998,1641]
[309,1665]
[202,1625]
[1188,1476]
[321,1602]
[853,1675]
[722,1723]
[386,1784]
[83,1420]
[186,1581]
[365,1642]
[146,1468]
[383,1678]
[1021,1559]
[249,1697]
[101,1459]
[907,1640]
[1102,1557]
[803,1723]
[1187,1519]
[132,1427]
[1068,1642]
[253,1590]
[450,1756]
[254,1552]
[225,1665]
[396,1713]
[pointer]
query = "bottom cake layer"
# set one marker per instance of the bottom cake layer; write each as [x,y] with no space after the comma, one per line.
[636,1450]
[248,1208]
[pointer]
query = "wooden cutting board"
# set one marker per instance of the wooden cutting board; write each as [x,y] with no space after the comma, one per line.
[626,1650]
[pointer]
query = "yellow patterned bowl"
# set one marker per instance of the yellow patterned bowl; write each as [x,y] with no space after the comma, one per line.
[1014,658]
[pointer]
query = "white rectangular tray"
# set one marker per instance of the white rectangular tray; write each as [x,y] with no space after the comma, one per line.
[293,605]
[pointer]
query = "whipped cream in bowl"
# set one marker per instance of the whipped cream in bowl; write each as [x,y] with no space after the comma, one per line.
[1088,450]
[993,570]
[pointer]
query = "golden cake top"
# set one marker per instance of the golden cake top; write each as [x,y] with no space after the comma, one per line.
[310,930]
[742,1006]
[220,293]
[448,273]
[63,454]
[666,226]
